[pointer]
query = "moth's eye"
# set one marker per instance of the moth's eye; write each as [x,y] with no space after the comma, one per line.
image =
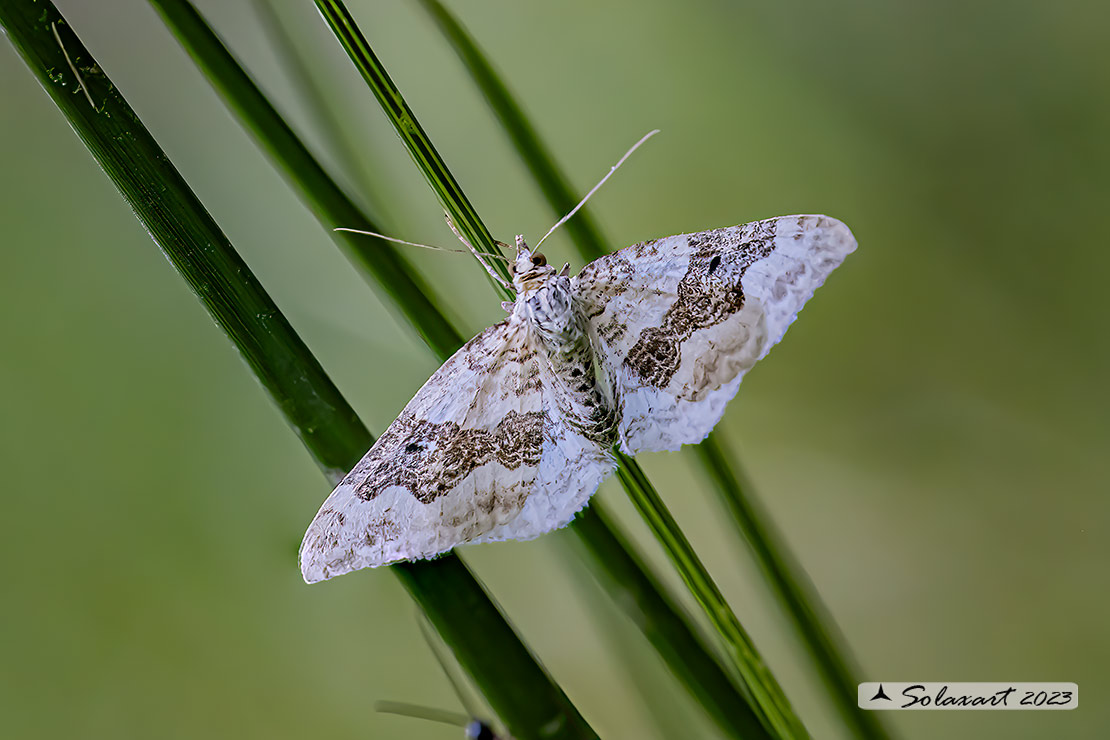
[539,260]
[512,268]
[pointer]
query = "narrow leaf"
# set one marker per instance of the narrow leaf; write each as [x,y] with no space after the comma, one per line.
[419,146]
[790,584]
[345,152]
[554,185]
[778,716]
[665,624]
[332,207]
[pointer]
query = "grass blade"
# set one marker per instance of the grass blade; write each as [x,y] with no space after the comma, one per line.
[484,643]
[665,624]
[332,207]
[792,587]
[419,146]
[778,716]
[554,185]
[186,234]
[344,150]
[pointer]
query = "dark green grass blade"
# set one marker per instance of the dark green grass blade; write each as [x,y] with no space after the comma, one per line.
[777,713]
[517,687]
[798,596]
[799,599]
[327,201]
[345,151]
[665,624]
[522,694]
[188,236]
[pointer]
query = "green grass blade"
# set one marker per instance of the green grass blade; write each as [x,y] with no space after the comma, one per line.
[799,598]
[523,695]
[187,235]
[419,146]
[327,201]
[344,150]
[501,665]
[665,624]
[554,185]
[778,715]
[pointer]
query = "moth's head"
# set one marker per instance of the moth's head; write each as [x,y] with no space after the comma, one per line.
[530,267]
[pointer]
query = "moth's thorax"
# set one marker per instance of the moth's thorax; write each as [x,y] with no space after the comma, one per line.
[547,305]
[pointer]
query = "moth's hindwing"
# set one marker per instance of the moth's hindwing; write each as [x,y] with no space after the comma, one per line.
[479,454]
[678,321]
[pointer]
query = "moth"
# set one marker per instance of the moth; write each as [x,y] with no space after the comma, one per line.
[512,435]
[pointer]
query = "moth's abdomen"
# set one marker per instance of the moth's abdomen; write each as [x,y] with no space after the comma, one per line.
[582,399]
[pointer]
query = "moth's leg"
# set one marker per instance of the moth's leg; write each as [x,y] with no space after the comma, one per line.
[475,252]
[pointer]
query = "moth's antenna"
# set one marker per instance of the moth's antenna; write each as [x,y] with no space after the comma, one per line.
[72,68]
[502,281]
[612,169]
[414,244]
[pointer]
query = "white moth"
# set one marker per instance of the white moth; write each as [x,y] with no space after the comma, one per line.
[510,438]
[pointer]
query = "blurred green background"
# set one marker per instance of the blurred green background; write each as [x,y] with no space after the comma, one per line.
[931,436]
